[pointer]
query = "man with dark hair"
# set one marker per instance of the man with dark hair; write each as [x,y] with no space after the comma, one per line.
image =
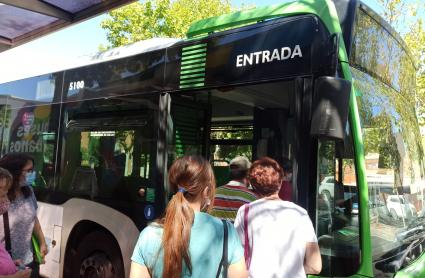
[231,196]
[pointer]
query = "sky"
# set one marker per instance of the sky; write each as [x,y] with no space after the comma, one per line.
[73,43]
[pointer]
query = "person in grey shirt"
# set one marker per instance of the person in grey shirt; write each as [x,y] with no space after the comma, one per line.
[23,219]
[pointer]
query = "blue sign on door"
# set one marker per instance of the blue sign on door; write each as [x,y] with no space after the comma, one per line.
[149,212]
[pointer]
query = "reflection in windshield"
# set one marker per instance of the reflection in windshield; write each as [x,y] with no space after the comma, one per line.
[337,211]
[394,169]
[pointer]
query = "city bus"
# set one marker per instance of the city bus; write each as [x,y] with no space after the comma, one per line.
[328,85]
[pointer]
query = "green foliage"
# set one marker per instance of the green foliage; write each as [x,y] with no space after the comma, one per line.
[415,39]
[125,139]
[394,10]
[158,18]
[90,156]
[406,18]
[5,112]
[228,152]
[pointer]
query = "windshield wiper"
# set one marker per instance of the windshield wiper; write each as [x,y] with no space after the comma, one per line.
[399,263]
[396,261]
[411,233]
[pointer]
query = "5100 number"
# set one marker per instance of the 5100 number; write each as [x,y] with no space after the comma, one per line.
[76,85]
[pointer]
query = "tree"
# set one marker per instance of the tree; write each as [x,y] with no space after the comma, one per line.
[158,18]
[394,11]
[415,39]
[405,16]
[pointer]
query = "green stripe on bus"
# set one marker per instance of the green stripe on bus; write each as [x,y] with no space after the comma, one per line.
[195,51]
[192,80]
[201,74]
[184,72]
[200,60]
[186,58]
[193,66]
[192,85]
[194,46]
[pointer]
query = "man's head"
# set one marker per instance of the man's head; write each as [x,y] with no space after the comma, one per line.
[239,167]
[286,166]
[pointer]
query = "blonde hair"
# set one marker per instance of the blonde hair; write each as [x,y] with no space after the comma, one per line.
[6,175]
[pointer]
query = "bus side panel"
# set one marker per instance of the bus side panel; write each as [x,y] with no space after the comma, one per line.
[51,219]
[122,227]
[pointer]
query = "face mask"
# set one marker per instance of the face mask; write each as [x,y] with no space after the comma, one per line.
[29,178]
[4,205]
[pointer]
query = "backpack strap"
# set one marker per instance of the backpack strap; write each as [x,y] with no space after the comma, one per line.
[247,249]
[224,260]
[7,240]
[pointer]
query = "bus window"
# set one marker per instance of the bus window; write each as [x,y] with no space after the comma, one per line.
[337,210]
[33,130]
[228,142]
[109,153]
[394,172]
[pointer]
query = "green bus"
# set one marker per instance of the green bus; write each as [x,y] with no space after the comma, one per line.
[326,84]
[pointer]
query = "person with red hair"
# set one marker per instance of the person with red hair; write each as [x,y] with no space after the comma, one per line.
[280,229]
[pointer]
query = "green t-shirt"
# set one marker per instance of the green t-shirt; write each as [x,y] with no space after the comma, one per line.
[205,247]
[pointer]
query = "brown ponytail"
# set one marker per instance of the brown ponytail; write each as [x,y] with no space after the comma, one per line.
[189,175]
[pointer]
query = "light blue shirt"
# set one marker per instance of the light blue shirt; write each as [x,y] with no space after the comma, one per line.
[205,247]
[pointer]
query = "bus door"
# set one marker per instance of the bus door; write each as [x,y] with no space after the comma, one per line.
[188,126]
[109,153]
[251,120]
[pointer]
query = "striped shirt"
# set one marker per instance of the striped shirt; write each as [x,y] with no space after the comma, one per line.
[229,198]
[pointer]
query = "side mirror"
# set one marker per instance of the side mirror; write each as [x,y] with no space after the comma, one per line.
[330,110]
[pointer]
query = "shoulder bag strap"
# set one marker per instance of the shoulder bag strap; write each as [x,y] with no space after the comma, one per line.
[224,261]
[247,249]
[7,233]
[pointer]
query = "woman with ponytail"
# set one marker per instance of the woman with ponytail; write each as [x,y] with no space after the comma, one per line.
[187,242]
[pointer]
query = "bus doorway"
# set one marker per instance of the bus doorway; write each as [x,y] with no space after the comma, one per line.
[117,149]
[108,156]
[253,121]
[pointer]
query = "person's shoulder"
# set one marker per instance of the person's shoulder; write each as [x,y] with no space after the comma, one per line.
[222,188]
[286,205]
[203,217]
[27,189]
[235,190]
[290,205]
[153,230]
[150,238]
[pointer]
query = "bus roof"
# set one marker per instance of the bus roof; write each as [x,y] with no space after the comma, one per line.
[245,17]
[232,20]
[325,10]
[109,55]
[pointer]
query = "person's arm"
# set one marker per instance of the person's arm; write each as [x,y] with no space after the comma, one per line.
[312,259]
[40,237]
[139,271]
[238,269]
[20,274]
